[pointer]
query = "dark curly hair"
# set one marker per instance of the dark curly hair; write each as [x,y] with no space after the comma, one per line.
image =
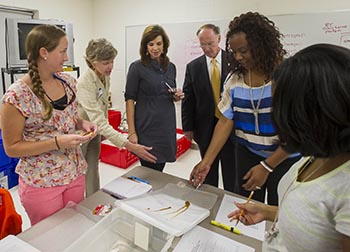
[311,101]
[149,34]
[263,39]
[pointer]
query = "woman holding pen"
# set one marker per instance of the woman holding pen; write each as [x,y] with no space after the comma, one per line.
[311,112]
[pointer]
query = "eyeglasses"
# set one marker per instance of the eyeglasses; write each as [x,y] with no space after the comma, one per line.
[209,44]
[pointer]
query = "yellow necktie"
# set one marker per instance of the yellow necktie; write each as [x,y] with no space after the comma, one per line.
[215,84]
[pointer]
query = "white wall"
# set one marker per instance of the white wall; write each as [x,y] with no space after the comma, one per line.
[112,16]
[108,18]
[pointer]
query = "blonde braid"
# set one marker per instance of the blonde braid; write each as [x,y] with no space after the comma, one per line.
[38,89]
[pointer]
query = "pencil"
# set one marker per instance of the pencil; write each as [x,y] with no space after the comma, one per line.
[242,211]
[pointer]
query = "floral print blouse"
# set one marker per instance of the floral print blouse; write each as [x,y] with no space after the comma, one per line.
[56,167]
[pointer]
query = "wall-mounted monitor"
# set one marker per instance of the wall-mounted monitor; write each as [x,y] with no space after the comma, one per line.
[16,31]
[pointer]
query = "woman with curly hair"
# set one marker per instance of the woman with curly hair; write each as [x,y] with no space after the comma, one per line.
[254,50]
[311,112]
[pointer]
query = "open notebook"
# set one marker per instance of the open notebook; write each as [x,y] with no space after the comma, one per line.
[124,188]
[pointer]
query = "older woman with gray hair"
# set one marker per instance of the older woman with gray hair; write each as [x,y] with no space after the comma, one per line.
[93,88]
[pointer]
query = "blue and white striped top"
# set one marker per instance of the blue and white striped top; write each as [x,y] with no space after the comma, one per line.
[236,105]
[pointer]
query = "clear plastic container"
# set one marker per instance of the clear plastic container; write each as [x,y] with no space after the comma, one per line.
[116,232]
[57,232]
[127,228]
[131,229]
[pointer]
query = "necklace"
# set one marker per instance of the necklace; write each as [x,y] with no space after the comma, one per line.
[255,109]
[273,231]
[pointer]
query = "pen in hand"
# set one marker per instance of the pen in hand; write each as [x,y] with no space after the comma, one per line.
[173,90]
[198,185]
[242,211]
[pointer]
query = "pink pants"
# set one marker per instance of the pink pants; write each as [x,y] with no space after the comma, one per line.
[40,203]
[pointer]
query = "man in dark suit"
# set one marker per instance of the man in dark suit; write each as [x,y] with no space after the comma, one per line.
[199,107]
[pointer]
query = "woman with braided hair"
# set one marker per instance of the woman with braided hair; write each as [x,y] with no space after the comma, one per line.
[39,124]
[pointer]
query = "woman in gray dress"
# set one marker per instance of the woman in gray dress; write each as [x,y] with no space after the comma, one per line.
[150,94]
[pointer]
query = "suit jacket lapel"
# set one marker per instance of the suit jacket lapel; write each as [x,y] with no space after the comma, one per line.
[224,68]
[205,79]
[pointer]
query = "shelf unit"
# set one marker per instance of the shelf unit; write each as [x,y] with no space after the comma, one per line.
[22,70]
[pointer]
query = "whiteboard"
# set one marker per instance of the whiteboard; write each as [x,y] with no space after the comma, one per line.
[184,45]
[299,30]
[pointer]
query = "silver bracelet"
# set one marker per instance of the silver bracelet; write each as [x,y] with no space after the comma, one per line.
[266,166]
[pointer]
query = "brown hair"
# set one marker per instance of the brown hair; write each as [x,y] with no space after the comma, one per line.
[149,34]
[47,36]
[99,50]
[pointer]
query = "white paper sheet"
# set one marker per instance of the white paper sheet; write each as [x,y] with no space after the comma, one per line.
[153,209]
[200,239]
[12,243]
[256,231]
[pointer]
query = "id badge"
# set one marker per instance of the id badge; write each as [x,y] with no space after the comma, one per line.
[99,93]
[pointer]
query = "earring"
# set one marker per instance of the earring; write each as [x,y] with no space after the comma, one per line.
[45,58]
[147,53]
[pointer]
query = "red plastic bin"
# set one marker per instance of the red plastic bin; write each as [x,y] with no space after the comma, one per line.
[114,118]
[122,158]
[111,154]
[182,144]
